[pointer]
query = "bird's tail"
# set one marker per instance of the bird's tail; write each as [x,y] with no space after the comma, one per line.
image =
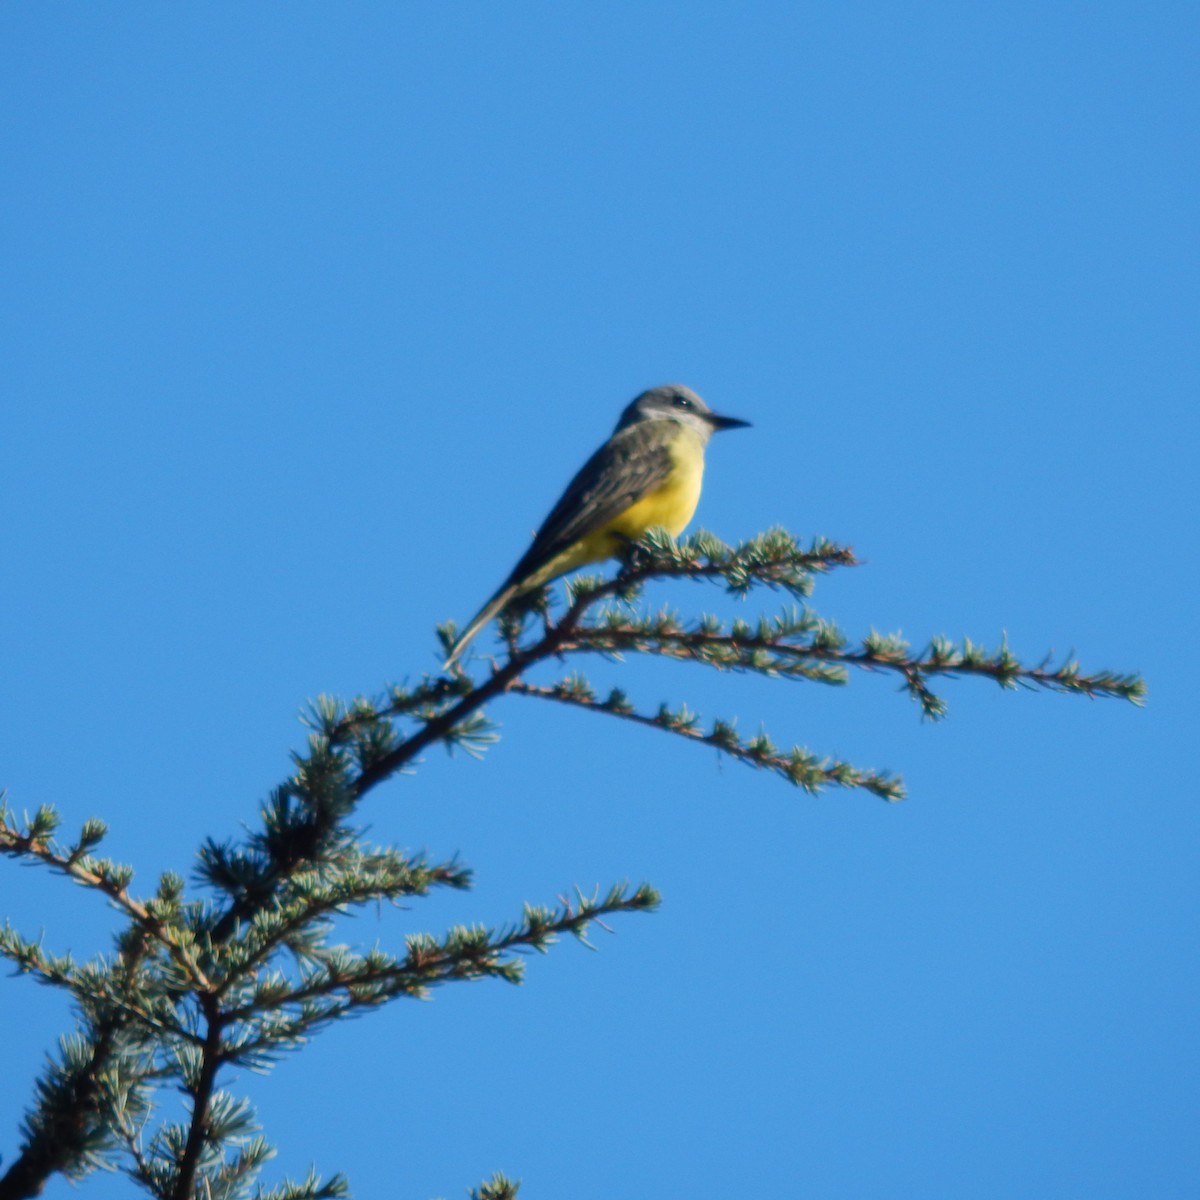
[479,620]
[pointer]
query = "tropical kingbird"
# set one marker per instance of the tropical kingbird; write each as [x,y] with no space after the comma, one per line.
[646,476]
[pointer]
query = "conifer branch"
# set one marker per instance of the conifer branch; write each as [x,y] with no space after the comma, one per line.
[311,1188]
[769,652]
[797,645]
[364,879]
[464,953]
[499,1187]
[97,979]
[236,981]
[74,1122]
[35,844]
[773,559]
[202,1093]
[798,766]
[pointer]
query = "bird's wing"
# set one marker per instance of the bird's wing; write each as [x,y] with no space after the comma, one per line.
[631,464]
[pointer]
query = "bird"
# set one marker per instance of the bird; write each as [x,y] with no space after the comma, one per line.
[647,475]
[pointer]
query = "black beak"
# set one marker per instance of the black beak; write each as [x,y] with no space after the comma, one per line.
[719,423]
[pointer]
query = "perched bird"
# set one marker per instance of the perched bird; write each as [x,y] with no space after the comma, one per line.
[646,476]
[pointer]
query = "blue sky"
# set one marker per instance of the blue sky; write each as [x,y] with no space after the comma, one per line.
[308,315]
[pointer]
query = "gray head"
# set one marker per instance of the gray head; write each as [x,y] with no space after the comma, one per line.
[674,402]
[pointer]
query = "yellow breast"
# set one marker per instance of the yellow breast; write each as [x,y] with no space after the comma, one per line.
[670,506]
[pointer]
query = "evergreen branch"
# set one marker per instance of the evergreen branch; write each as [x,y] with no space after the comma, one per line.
[769,650]
[61,1136]
[798,766]
[304,827]
[341,724]
[311,1188]
[362,878]
[35,844]
[201,1090]
[773,559]
[231,1177]
[97,983]
[463,954]
[942,657]
[499,1187]
[79,1100]
[130,1133]
[441,726]
[29,958]
[304,822]
[195,987]
[267,932]
[448,709]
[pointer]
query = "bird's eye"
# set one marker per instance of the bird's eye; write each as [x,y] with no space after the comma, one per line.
[682,402]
